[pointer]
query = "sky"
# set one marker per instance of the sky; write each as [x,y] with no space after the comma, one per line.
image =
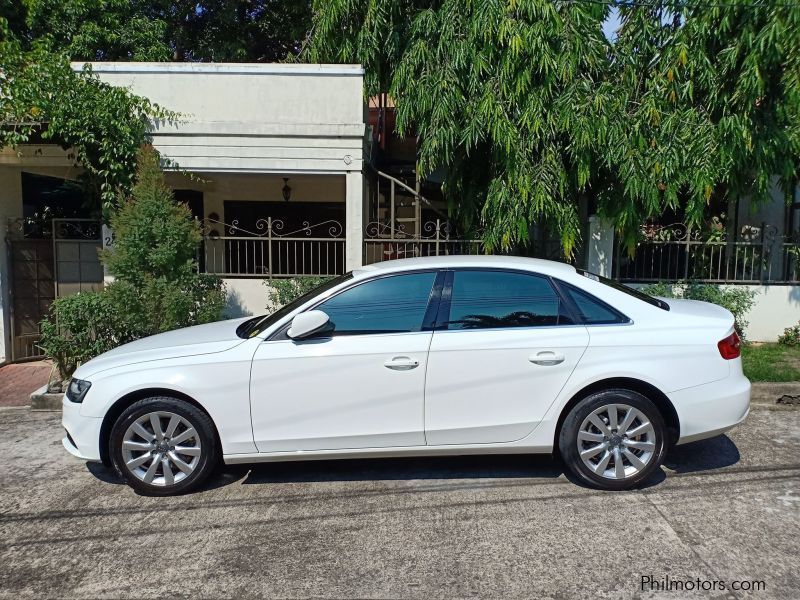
[612,23]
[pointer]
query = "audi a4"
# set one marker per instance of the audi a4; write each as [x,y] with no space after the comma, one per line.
[419,357]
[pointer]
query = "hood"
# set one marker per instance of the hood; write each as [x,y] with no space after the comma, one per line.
[189,341]
[699,309]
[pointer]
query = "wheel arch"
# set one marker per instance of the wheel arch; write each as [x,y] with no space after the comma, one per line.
[119,406]
[648,390]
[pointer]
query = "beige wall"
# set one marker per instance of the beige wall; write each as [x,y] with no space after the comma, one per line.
[10,208]
[260,118]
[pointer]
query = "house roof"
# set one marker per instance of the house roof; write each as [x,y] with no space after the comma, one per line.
[222,68]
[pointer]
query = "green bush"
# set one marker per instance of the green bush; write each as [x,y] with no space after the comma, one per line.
[738,300]
[790,336]
[79,327]
[157,287]
[283,291]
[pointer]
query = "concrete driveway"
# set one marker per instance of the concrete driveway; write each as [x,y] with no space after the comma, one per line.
[726,510]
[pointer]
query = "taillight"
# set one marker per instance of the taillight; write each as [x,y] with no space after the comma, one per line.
[730,347]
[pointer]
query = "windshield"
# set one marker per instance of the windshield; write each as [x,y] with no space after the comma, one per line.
[256,325]
[625,289]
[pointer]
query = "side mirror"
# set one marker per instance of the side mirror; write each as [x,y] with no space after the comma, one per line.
[307,324]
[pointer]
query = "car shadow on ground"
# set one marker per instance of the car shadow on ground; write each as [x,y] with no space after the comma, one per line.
[706,455]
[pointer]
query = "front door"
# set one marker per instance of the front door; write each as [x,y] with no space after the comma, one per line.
[361,385]
[499,358]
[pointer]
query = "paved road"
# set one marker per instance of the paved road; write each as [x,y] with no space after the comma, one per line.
[726,509]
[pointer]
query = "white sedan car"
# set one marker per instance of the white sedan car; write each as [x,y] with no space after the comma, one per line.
[431,356]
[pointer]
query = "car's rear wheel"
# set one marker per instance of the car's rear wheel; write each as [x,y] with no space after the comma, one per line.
[613,439]
[163,446]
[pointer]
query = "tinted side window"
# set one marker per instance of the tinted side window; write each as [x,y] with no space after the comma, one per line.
[393,304]
[592,310]
[491,299]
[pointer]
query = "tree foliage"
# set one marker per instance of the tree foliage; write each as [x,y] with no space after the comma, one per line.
[105,125]
[154,258]
[531,110]
[160,30]
[41,95]
[157,286]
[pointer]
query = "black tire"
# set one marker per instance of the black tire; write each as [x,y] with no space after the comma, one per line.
[569,445]
[202,442]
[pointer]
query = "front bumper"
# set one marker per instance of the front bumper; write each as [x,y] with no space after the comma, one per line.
[83,433]
[711,409]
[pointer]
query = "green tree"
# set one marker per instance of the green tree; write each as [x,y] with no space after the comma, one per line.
[705,106]
[530,110]
[159,30]
[154,258]
[41,95]
[157,286]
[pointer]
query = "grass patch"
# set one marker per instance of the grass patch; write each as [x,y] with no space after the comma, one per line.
[771,362]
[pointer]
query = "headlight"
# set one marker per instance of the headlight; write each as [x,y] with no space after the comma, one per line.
[77,390]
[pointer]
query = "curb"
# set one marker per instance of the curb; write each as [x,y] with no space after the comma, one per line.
[771,393]
[41,400]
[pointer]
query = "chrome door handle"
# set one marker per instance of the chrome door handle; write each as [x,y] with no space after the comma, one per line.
[401,363]
[546,358]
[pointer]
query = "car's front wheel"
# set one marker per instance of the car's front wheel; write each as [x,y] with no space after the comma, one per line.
[163,446]
[613,439]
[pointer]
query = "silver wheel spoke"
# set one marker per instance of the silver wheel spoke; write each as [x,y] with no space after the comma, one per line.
[643,428]
[587,436]
[182,437]
[626,422]
[151,471]
[646,446]
[155,422]
[598,422]
[188,450]
[613,419]
[138,462]
[186,468]
[169,478]
[142,432]
[633,459]
[138,446]
[173,425]
[601,466]
[619,468]
[593,451]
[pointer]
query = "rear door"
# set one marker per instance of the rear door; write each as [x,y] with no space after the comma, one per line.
[504,346]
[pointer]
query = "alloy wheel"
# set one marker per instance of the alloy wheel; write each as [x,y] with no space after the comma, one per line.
[161,448]
[616,441]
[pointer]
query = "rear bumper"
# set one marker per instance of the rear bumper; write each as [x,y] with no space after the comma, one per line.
[711,409]
[83,433]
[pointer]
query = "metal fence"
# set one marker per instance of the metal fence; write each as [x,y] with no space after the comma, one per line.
[675,253]
[312,250]
[383,241]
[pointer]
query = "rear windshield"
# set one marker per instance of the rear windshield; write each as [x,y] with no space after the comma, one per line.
[256,325]
[625,289]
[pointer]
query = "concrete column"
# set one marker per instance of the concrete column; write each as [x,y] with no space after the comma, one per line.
[354,220]
[10,208]
[600,254]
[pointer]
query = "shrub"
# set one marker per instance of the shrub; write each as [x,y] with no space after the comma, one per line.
[79,327]
[790,336]
[738,300]
[283,291]
[157,286]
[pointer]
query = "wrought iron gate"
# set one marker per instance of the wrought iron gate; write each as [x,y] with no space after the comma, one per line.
[47,261]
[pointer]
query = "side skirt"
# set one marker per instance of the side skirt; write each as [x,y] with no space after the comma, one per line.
[232,459]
